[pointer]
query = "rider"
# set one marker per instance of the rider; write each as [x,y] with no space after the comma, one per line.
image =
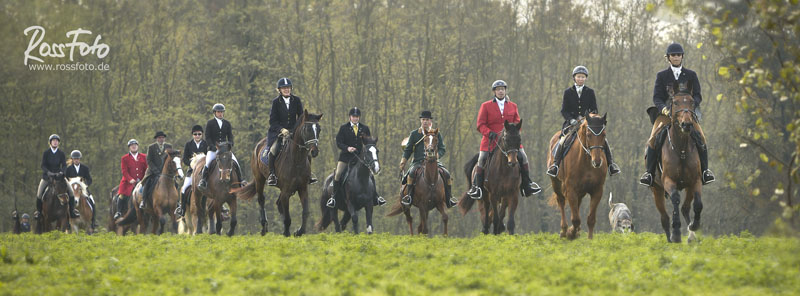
[133,165]
[578,100]
[285,114]
[25,223]
[666,79]
[490,122]
[194,146]
[218,130]
[349,141]
[54,163]
[416,147]
[156,155]
[78,170]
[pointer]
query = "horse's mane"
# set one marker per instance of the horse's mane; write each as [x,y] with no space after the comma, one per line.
[77,180]
[196,158]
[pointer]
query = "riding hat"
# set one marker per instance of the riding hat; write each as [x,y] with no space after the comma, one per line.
[197,128]
[283,82]
[75,154]
[355,112]
[160,134]
[218,107]
[54,136]
[132,141]
[426,114]
[674,48]
[499,83]
[580,70]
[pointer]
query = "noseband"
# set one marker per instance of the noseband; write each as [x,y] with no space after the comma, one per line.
[588,151]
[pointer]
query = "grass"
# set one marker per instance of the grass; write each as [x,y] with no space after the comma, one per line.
[346,264]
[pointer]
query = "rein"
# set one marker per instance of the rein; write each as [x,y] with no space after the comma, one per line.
[307,144]
[674,120]
[588,151]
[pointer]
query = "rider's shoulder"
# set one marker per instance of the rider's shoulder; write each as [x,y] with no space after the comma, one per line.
[689,72]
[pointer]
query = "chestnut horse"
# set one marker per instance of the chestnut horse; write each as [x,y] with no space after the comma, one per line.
[209,202]
[502,182]
[680,164]
[429,189]
[165,199]
[83,205]
[55,205]
[583,171]
[293,169]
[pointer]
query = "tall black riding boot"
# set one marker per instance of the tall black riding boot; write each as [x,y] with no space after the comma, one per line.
[272,180]
[239,174]
[613,168]
[450,201]
[527,186]
[552,171]
[708,176]
[38,212]
[476,191]
[337,187]
[120,203]
[651,161]
[203,184]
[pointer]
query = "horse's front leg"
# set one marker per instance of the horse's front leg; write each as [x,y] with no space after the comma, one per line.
[512,209]
[443,211]
[353,215]
[575,214]
[675,197]
[409,219]
[283,205]
[697,204]
[259,179]
[502,215]
[497,217]
[335,216]
[423,220]
[368,215]
[591,219]
[234,221]
[561,204]
[303,193]
[487,211]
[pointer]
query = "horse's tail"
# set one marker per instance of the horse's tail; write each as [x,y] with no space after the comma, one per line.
[245,193]
[395,210]
[610,196]
[466,202]
[327,218]
[129,216]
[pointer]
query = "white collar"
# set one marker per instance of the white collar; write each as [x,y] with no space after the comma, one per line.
[135,155]
[676,69]
[286,99]
[77,167]
[218,120]
[53,150]
[353,124]
[579,87]
[500,101]
[197,143]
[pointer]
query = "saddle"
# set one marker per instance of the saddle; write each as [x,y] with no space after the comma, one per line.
[569,139]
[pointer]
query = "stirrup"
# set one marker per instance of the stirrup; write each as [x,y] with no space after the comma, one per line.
[708,177]
[614,170]
[75,213]
[179,210]
[272,180]
[313,179]
[406,200]
[331,203]
[381,201]
[475,192]
[552,171]
[141,204]
[453,202]
[202,185]
[646,179]
[117,215]
[36,215]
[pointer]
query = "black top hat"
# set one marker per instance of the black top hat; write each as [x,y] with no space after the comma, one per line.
[426,114]
[160,134]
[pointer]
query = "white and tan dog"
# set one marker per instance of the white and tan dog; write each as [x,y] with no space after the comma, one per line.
[620,216]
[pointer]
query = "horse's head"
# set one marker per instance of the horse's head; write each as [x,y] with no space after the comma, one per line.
[58,184]
[683,113]
[431,144]
[77,186]
[308,132]
[510,141]
[370,153]
[224,161]
[593,135]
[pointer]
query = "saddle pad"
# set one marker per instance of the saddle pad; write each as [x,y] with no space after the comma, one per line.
[263,155]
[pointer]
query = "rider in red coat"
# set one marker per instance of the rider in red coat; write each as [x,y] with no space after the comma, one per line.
[492,115]
[133,164]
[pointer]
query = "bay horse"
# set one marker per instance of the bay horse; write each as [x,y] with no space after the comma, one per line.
[680,170]
[429,188]
[583,172]
[293,169]
[359,190]
[55,205]
[165,198]
[83,205]
[208,203]
[502,182]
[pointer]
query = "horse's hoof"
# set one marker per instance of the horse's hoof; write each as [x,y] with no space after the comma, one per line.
[369,229]
[675,238]
[692,237]
[298,233]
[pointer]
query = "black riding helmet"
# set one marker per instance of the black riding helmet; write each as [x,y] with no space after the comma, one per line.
[75,154]
[674,48]
[355,112]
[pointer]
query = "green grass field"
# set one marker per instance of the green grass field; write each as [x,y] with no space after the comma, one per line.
[346,264]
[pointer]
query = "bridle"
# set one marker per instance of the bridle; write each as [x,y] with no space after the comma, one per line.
[308,144]
[588,151]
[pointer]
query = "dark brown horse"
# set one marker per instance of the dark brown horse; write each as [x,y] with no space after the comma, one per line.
[502,182]
[209,202]
[583,172]
[429,189]
[164,199]
[112,223]
[680,164]
[55,205]
[293,169]
[82,204]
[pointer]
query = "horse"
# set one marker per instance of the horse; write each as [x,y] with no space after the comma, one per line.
[209,202]
[359,190]
[293,169]
[55,205]
[680,163]
[83,205]
[165,198]
[502,182]
[583,172]
[429,189]
[112,223]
